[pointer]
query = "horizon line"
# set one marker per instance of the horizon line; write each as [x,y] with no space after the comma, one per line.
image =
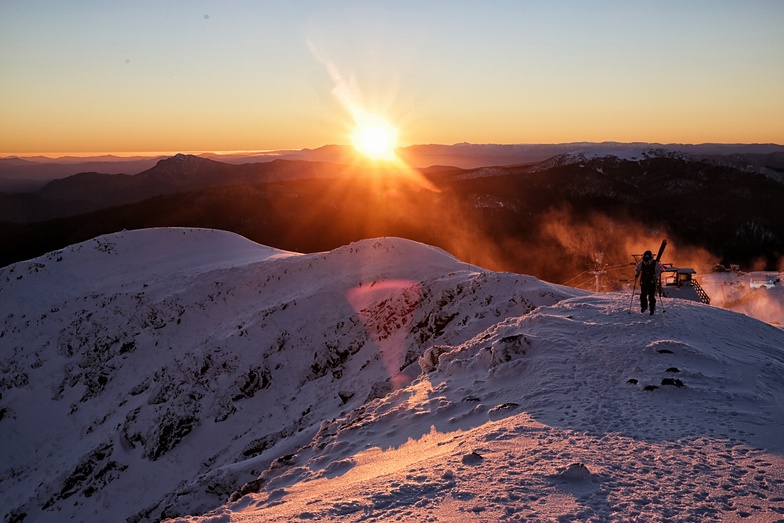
[55,155]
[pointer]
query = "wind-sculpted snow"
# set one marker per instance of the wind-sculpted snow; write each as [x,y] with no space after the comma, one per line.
[154,373]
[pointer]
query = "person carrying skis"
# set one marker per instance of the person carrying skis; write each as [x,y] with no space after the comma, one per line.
[648,270]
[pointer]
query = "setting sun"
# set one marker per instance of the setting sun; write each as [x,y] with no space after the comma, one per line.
[376,138]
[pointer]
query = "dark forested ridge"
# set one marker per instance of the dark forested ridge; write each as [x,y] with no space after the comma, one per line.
[548,219]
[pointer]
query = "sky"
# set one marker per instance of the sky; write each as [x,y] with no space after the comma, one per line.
[232,75]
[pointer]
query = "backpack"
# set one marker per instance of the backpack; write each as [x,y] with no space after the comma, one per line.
[648,273]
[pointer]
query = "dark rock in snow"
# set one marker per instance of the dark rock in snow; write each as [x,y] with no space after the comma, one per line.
[574,472]
[672,381]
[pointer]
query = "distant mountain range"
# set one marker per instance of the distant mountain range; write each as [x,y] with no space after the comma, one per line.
[89,191]
[548,217]
[29,173]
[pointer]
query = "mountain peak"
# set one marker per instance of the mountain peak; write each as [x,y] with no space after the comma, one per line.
[183,164]
[138,367]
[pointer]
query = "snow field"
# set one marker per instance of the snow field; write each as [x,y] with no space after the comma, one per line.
[194,375]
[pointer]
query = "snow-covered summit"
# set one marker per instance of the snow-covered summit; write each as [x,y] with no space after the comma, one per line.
[154,372]
[172,372]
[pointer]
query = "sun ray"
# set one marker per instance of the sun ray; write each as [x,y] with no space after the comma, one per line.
[373,136]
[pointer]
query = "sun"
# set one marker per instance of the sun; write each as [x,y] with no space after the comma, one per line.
[375,137]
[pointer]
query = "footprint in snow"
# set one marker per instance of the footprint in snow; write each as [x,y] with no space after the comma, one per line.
[574,472]
[473,458]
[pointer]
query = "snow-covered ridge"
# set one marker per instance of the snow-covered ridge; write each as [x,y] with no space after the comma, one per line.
[152,373]
[619,153]
[164,373]
[132,257]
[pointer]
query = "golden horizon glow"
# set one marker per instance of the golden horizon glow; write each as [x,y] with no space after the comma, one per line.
[251,75]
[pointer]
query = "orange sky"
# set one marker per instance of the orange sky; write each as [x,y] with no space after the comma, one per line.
[215,76]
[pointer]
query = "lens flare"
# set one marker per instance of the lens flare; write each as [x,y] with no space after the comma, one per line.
[387,309]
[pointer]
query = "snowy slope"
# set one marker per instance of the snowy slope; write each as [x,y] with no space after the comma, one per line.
[153,373]
[577,411]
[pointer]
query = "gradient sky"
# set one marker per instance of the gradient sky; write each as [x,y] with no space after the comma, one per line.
[191,75]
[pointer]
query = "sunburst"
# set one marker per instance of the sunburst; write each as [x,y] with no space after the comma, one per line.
[375,137]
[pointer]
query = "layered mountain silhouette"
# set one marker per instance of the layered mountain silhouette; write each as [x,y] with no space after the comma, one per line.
[548,218]
[89,191]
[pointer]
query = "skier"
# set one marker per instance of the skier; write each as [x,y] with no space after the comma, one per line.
[648,270]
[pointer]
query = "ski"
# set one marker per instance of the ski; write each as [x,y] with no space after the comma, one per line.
[658,283]
[661,250]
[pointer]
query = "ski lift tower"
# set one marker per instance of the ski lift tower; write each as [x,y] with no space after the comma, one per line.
[600,268]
